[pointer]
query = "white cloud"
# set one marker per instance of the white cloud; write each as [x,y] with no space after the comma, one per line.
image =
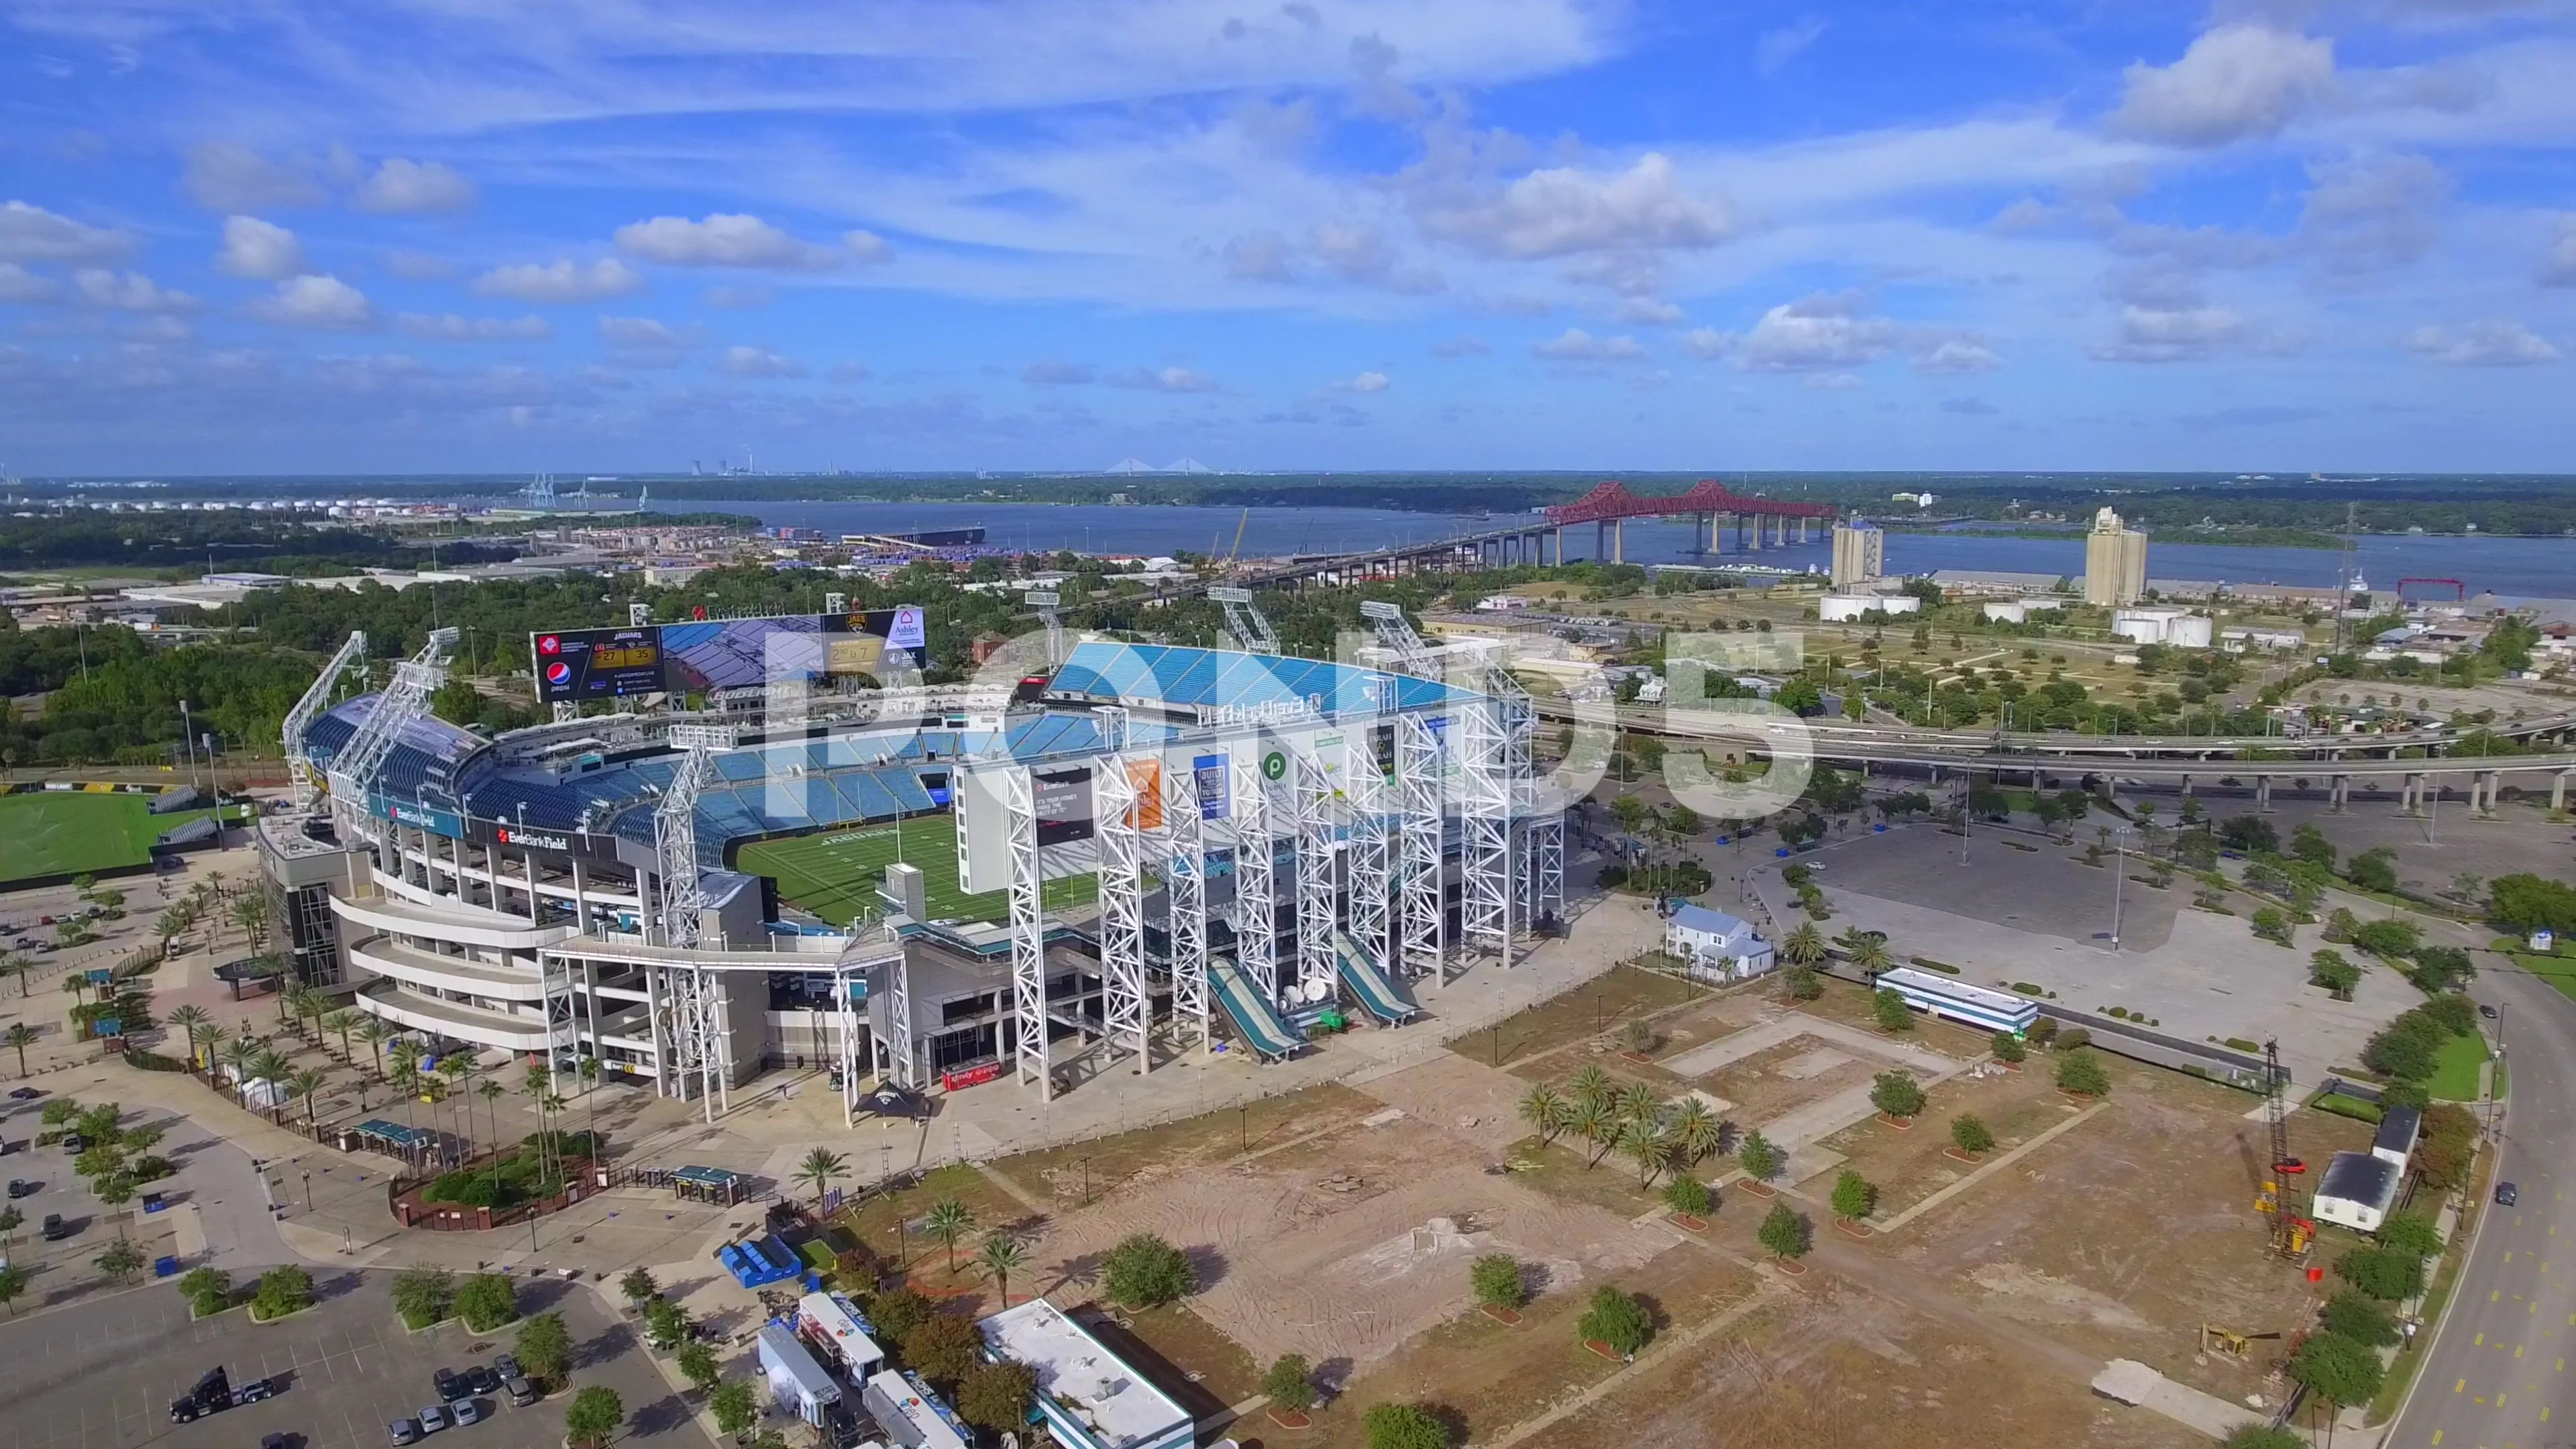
[324,303]
[1956,356]
[866,247]
[1707,343]
[2234,82]
[1776,48]
[558,282]
[256,248]
[1817,332]
[2172,333]
[739,361]
[230,177]
[731,239]
[2486,343]
[400,186]
[2372,213]
[1576,345]
[33,234]
[1163,379]
[1365,382]
[1562,211]
[1646,312]
[17,284]
[2560,269]
[449,327]
[127,292]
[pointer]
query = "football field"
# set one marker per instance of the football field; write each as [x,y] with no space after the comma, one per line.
[66,832]
[835,874]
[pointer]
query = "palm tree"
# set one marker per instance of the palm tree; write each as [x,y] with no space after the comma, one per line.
[238,1054]
[1002,1256]
[948,1220]
[1642,1141]
[308,1082]
[21,1036]
[1804,946]
[78,985]
[1638,1102]
[19,966]
[1695,1132]
[269,1067]
[1590,1119]
[819,1168]
[1869,953]
[192,1019]
[309,1006]
[491,1092]
[590,1092]
[342,1023]
[1543,1108]
[1591,1085]
[457,1068]
[251,914]
[375,1032]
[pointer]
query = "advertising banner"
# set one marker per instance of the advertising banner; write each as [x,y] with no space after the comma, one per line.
[579,664]
[1214,776]
[724,654]
[422,817]
[586,844]
[1062,799]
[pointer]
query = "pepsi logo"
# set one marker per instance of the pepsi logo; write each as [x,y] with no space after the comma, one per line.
[558,673]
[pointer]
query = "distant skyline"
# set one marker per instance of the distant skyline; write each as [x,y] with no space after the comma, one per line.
[621,235]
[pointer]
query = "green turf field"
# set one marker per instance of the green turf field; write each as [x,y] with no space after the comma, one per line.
[835,874]
[65,832]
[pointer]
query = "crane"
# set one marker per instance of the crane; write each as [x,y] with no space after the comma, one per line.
[2291,1233]
[1237,551]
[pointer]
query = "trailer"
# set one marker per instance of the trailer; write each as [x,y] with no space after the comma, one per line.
[796,1381]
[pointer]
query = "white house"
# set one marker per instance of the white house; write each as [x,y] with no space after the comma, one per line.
[1715,946]
[2357,1190]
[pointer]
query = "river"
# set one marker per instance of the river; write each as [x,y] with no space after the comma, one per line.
[2538,567]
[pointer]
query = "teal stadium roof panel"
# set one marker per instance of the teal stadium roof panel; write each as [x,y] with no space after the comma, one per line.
[1223,679]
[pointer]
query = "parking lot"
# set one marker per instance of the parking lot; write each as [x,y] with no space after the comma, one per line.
[101,1374]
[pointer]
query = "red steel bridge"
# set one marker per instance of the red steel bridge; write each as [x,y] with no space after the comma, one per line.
[1608,507]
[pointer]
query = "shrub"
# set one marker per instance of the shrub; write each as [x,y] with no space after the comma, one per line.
[2043,1032]
[1615,1319]
[208,1290]
[1896,1094]
[1785,1232]
[1888,1005]
[1688,1195]
[944,1349]
[283,1291]
[2338,1370]
[1758,1157]
[1144,1271]
[1497,1281]
[2360,1319]
[2410,1233]
[996,1396]
[2082,1072]
[1968,1133]
[2072,1039]
[1853,1198]
[593,1416]
[486,1301]
[2254,1434]
[2008,1047]
[1802,983]
[544,1347]
[897,1312]
[1403,1426]
[1290,1383]
[2383,1273]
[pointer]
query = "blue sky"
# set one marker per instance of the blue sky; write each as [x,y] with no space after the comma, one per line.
[601,235]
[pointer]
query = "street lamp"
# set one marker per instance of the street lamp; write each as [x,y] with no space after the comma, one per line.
[2119,869]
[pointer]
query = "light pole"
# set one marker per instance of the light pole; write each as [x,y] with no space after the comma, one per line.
[2119,868]
[188,740]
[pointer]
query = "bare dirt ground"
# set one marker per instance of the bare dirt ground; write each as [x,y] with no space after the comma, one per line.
[1907,1167]
[1343,1247]
[1787,1077]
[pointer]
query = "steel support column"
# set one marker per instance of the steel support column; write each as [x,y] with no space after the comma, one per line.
[1418,784]
[1256,898]
[1028,935]
[1122,912]
[1185,882]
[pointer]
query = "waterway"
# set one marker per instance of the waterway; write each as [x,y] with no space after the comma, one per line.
[2535,567]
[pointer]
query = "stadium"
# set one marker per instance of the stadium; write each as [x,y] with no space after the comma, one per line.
[1139,852]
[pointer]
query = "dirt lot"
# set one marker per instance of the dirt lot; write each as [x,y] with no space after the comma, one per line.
[1787,1077]
[1908,1166]
[1591,1014]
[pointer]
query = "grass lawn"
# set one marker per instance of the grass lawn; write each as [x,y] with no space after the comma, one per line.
[2455,1072]
[2558,971]
[835,874]
[65,832]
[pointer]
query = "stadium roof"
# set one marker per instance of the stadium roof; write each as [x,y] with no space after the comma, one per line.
[1218,678]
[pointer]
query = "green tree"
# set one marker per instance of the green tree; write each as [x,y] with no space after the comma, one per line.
[2081,1071]
[822,1167]
[544,1347]
[1290,1383]
[1896,1094]
[2338,1370]
[2255,1434]
[423,1295]
[897,1312]
[1496,1278]
[2008,1047]
[944,1348]
[209,1291]
[2271,924]
[2330,969]
[2357,1317]
[1785,1232]
[1144,1271]
[13,1286]
[2308,843]
[593,1417]
[1689,1196]
[1888,1005]
[2386,1274]
[1854,1198]
[995,1396]
[487,1301]
[948,1222]
[638,1287]
[734,1406]
[2410,1232]
[1617,1320]
[121,1261]
[1802,983]
[1758,1157]
[1001,1256]
[1969,1133]
[666,1324]
[1403,1426]
[1544,1110]
[282,1291]
[697,1364]
[2374,870]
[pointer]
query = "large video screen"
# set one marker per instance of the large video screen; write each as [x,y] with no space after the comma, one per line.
[721,654]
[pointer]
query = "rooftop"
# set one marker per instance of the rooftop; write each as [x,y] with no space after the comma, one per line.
[1073,1367]
[2360,1177]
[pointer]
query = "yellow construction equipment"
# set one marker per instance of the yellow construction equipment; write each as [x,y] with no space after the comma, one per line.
[2214,1339]
[1237,551]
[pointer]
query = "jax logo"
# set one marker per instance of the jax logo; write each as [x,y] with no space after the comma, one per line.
[549,644]
[559,673]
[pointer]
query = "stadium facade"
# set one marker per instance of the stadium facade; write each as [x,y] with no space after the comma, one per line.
[1273,840]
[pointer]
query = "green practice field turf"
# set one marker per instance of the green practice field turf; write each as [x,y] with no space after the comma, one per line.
[835,874]
[66,832]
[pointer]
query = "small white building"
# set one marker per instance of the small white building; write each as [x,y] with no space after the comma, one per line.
[1502,603]
[1089,1397]
[1938,995]
[2357,1189]
[1834,608]
[2240,640]
[1715,946]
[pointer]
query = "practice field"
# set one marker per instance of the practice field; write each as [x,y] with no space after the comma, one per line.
[835,875]
[65,832]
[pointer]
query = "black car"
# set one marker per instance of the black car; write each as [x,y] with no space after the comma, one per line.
[20,1187]
[2507,1194]
[450,1387]
[25,1094]
[55,1228]
[481,1380]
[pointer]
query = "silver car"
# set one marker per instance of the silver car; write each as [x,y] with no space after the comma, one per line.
[433,1419]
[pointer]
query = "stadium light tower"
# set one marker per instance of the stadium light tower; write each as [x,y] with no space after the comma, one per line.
[1045,601]
[1244,620]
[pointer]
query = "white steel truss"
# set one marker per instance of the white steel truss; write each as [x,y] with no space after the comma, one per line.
[1256,897]
[317,699]
[1365,786]
[1485,834]
[1317,916]
[1185,885]
[1028,933]
[1396,637]
[845,1042]
[1122,910]
[699,1031]
[406,698]
[897,1058]
[1244,620]
[1418,751]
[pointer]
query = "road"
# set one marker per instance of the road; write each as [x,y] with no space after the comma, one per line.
[2497,1377]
